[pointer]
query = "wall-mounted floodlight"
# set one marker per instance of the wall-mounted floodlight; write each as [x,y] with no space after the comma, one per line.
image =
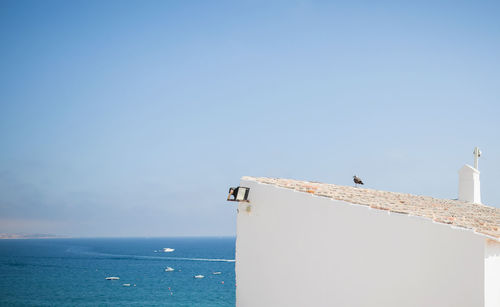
[238,194]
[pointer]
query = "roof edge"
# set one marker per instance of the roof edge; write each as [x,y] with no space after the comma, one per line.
[375,207]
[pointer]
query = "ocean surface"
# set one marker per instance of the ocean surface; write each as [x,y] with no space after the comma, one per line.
[72,272]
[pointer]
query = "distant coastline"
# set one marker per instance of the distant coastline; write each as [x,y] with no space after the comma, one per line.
[10,236]
[7,236]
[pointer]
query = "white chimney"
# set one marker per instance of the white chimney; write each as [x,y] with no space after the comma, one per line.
[468,181]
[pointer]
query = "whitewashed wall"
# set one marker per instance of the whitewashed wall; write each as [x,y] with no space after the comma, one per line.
[295,249]
[492,274]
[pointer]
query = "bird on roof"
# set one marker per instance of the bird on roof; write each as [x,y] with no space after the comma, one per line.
[357,180]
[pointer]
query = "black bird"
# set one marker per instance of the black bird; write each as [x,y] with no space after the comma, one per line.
[357,180]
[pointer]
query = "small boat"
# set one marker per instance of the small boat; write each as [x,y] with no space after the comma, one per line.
[199,276]
[169,269]
[217,273]
[126,285]
[112,278]
[168,250]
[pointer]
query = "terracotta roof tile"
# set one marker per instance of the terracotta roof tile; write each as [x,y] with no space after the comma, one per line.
[481,219]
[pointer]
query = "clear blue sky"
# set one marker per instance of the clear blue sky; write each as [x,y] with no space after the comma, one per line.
[132,118]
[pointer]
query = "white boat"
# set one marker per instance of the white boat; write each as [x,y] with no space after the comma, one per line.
[126,285]
[216,273]
[169,269]
[199,276]
[112,278]
[168,250]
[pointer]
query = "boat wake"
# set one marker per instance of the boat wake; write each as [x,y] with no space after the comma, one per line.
[199,259]
[157,258]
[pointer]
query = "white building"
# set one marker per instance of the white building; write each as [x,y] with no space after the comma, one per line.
[313,244]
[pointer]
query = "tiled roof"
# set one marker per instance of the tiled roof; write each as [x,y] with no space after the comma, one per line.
[479,218]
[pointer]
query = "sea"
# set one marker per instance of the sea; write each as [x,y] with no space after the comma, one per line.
[72,272]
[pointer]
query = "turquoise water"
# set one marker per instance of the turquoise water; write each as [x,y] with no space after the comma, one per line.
[72,272]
